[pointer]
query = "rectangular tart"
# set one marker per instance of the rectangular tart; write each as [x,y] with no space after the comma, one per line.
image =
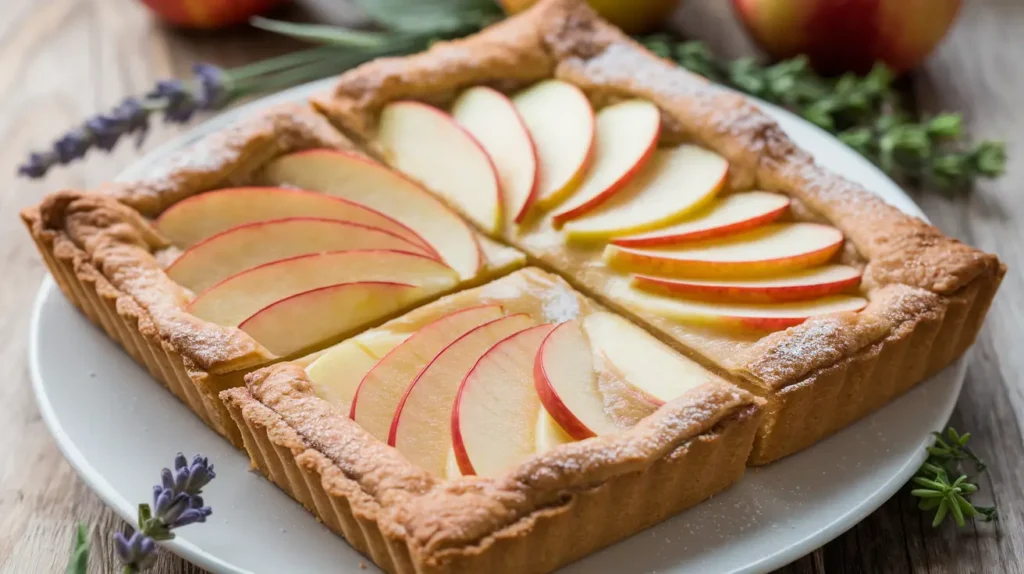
[114,257]
[533,513]
[919,298]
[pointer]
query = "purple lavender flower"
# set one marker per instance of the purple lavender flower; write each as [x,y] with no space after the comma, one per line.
[178,101]
[136,553]
[176,503]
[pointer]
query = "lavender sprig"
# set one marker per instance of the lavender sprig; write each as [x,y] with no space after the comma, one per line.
[177,100]
[210,88]
[176,503]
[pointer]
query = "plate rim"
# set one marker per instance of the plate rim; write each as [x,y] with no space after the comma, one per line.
[205,559]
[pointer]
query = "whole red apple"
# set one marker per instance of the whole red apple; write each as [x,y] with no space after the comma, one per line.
[207,14]
[849,35]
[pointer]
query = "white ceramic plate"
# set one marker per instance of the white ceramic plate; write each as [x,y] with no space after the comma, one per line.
[118,428]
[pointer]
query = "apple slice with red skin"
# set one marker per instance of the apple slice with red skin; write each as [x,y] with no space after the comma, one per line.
[727,215]
[429,146]
[204,215]
[657,371]
[626,137]
[560,121]
[381,390]
[495,415]
[549,433]
[421,428]
[566,382]
[674,183]
[303,321]
[751,316]
[490,117]
[357,178]
[240,296]
[801,285]
[769,250]
[239,248]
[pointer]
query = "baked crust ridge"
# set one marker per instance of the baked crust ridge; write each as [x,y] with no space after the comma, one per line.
[596,491]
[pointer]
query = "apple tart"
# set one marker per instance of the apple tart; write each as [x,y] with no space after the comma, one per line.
[519,412]
[336,286]
[680,205]
[202,272]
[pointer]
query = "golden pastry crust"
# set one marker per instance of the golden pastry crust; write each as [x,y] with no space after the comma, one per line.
[457,525]
[228,158]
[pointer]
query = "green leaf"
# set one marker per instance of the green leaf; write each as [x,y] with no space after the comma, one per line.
[954,509]
[79,561]
[990,158]
[940,514]
[322,34]
[431,16]
[144,514]
[948,126]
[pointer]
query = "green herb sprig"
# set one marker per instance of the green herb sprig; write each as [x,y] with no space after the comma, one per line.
[946,458]
[865,112]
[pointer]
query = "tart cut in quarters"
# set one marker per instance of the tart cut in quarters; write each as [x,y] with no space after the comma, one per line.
[479,381]
[817,300]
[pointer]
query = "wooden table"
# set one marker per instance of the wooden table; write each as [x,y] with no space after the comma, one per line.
[62,60]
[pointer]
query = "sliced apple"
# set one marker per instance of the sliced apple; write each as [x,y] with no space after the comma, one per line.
[674,183]
[492,119]
[760,316]
[730,214]
[769,250]
[561,125]
[549,433]
[626,136]
[495,417]
[240,296]
[421,428]
[428,145]
[567,383]
[805,284]
[253,244]
[336,374]
[338,370]
[359,179]
[382,389]
[451,465]
[301,321]
[642,361]
[201,216]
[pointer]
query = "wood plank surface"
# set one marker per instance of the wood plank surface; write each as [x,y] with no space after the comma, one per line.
[62,60]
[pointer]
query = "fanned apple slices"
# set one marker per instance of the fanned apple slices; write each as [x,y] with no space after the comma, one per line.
[253,244]
[236,298]
[765,251]
[801,285]
[429,393]
[357,179]
[561,124]
[201,216]
[730,214]
[674,183]
[626,136]
[490,117]
[429,146]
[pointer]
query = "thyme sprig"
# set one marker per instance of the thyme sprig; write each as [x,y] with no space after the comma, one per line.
[865,112]
[937,492]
